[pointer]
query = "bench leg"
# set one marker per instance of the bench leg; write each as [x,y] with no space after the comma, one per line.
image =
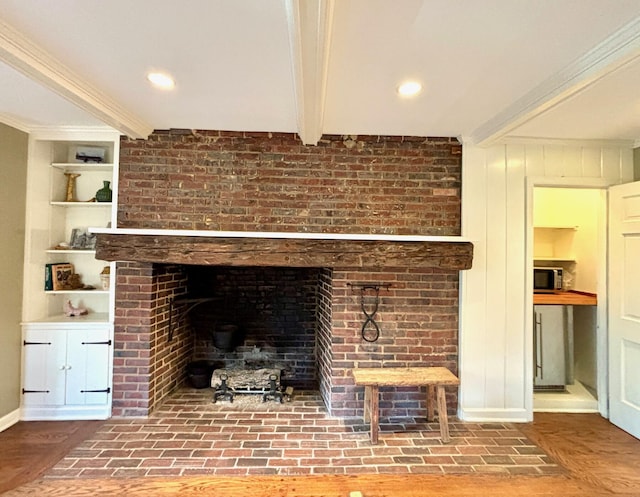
[367,403]
[442,415]
[375,414]
[431,402]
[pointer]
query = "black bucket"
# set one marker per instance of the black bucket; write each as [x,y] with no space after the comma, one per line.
[225,337]
[199,373]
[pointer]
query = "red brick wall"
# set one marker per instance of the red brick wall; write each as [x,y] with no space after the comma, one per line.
[215,180]
[418,320]
[146,365]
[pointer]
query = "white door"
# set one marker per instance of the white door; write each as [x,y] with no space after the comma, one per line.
[624,307]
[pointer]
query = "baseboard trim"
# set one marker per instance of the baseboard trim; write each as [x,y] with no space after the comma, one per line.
[481,415]
[8,420]
[64,413]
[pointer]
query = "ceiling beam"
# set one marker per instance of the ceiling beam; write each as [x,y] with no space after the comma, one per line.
[37,64]
[619,49]
[310,23]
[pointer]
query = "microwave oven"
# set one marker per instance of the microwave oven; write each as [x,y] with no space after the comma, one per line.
[547,279]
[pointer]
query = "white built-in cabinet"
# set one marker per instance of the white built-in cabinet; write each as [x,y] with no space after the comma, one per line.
[67,369]
[67,361]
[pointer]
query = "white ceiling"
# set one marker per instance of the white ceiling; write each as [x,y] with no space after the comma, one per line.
[491,69]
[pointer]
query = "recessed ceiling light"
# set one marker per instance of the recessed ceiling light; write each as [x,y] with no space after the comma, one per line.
[409,88]
[161,80]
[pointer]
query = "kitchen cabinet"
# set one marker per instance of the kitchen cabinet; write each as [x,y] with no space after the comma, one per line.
[552,338]
[66,369]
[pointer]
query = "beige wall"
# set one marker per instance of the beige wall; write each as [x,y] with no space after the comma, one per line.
[13,175]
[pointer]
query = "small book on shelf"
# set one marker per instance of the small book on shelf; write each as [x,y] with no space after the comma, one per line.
[56,276]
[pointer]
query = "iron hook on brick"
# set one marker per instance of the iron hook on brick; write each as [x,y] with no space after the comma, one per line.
[370,330]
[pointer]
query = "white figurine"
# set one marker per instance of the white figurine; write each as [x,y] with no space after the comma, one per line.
[69,310]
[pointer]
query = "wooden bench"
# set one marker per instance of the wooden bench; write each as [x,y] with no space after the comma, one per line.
[434,378]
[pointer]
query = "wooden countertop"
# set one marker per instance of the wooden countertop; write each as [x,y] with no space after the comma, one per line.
[571,297]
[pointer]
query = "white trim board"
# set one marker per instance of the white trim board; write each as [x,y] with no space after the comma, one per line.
[280,235]
[495,415]
[10,419]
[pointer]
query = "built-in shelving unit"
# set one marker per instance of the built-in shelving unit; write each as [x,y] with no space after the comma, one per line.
[554,243]
[67,361]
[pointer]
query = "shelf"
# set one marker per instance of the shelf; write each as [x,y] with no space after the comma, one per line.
[71,251]
[70,166]
[554,259]
[77,292]
[92,317]
[81,204]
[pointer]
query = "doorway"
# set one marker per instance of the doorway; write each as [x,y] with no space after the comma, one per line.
[569,363]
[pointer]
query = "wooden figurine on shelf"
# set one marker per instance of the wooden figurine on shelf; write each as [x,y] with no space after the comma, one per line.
[70,310]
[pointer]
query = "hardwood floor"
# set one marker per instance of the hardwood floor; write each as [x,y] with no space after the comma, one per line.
[27,450]
[600,460]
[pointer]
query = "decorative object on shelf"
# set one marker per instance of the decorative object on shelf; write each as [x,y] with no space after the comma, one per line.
[71,187]
[104,194]
[89,154]
[104,277]
[48,276]
[75,283]
[81,240]
[60,274]
[70,310]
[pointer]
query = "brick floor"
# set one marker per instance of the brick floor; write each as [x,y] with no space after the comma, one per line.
[189,435]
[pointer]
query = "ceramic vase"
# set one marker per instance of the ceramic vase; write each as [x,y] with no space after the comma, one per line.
[104,193]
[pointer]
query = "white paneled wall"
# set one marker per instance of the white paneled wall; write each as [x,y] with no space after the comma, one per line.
[495,349]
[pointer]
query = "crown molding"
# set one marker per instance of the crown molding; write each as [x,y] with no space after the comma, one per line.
[14,122]
[310,23]
[96,133]
[53,131]
[34,62]
[619,49]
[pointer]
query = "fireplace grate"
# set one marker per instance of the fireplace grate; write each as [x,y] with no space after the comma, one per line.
[263,381]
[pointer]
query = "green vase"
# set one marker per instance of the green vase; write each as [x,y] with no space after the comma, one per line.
[104,193]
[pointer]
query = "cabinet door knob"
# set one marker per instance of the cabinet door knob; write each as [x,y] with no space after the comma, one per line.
[63,367]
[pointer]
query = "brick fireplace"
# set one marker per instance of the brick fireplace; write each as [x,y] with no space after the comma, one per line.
[177,187]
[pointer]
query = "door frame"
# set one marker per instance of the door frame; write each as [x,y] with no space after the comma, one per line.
[602,335]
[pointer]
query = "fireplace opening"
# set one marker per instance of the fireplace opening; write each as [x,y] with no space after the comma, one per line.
[306,321]
[258,317]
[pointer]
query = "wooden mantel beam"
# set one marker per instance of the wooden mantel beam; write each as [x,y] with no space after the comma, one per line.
[283,252]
